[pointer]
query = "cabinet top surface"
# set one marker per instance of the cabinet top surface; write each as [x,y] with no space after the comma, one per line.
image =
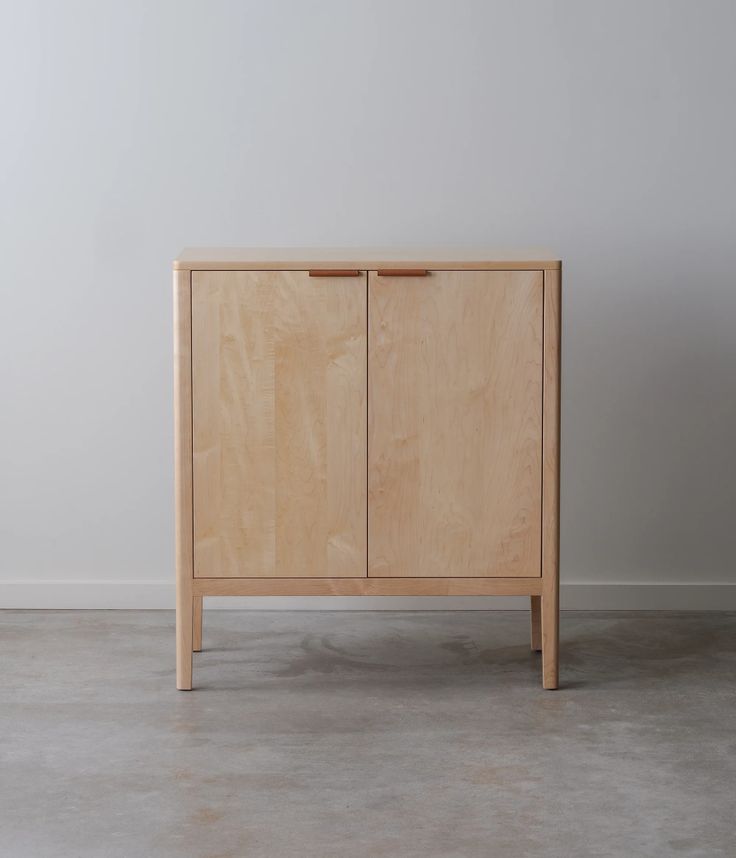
[298,258]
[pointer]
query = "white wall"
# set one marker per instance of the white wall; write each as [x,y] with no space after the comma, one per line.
[604,130]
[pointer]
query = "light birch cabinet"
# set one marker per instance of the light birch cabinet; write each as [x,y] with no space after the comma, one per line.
[357,422]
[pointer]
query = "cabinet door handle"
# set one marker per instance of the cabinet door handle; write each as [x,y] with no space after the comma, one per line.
[334,272]
[402,272]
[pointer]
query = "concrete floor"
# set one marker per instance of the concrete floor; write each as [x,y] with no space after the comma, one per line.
[367,734]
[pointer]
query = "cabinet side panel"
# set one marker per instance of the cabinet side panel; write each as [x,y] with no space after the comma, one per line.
[551,439]
[455,401]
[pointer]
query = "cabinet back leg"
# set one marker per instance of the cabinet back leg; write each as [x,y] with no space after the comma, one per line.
[550,638]
[197,625]
[536,622]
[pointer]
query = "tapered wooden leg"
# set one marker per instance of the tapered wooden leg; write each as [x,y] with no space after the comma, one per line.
[550,637]
[536,627]
[184,627]
[197,625]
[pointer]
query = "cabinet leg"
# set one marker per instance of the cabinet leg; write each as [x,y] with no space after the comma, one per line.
[197,625]
[550,638]
[184,629]
[536,625]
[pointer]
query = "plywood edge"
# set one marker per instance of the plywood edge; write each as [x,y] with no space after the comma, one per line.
[367,586]
[366,265]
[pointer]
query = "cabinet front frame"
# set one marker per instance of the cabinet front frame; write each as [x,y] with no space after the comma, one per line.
[546,585]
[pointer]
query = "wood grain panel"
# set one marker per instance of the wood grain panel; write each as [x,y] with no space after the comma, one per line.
[279,379]
[455,424]
[367,586]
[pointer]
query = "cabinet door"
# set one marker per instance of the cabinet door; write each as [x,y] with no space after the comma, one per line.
[279,424]
[455,424]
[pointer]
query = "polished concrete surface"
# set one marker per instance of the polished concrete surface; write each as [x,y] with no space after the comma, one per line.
[367,734]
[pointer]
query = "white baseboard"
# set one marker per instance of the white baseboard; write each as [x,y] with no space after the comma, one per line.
[145,594]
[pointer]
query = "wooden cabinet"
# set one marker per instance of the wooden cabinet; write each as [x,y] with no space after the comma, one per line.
[366,422]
